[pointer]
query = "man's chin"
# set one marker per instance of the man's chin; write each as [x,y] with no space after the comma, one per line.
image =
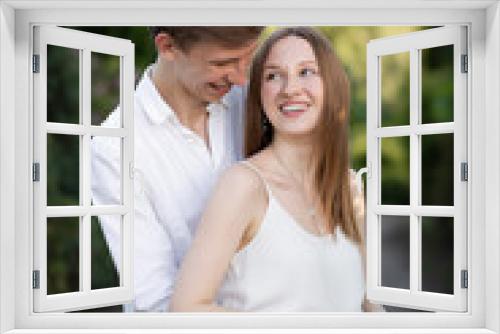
[208,99]
[214,98]
[218,91]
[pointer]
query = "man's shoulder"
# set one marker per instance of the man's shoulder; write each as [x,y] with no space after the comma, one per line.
[113,120]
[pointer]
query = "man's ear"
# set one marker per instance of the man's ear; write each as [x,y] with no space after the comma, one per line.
[166,46]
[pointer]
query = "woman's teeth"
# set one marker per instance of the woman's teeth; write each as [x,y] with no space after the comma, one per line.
[291,108]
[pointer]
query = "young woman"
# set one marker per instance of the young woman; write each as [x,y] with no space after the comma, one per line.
[280,233]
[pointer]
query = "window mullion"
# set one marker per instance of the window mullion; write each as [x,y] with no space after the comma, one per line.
[126,103]
[76,211]
[85,259]
[420,129]
[460,155]
[405,210]
[40,155]
[415,250]
[78,129]
[373,186]
[85,220]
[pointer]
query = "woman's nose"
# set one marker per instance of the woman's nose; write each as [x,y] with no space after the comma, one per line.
[291,86]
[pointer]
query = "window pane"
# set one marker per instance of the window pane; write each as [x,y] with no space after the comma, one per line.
[104,271]
[437,254]
[106,177]
[105,89]
[395,170]
[395,89]
[437,84]
[63,170]
[395,251]
[63,259]
[63,84]
[437,169]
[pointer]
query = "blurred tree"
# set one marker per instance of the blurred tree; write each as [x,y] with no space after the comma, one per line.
[350,45]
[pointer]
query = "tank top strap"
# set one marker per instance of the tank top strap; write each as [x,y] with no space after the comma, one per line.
[258,172]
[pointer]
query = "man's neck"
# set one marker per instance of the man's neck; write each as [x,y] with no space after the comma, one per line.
[191,112]
[188,109]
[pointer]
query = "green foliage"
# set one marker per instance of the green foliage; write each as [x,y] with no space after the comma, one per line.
[350,45]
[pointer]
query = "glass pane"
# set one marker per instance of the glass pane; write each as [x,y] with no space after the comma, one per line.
[437,169]
[396,251]
[106,170]
[105,77]
[104,271]
[63,84]
[437,254]
[437,84]
[63,259]
[63,170]
[395,89]
[395,170]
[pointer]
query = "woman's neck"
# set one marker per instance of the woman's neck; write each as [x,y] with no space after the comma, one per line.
[294,156]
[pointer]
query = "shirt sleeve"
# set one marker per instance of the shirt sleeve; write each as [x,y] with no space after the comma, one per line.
[236,103]
[154,263]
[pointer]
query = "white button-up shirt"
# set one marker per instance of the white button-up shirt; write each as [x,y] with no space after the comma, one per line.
[174,174]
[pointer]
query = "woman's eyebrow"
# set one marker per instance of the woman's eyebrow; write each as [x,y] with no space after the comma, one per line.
[271,66]
[276,66]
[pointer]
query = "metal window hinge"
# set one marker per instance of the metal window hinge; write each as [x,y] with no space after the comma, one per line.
[36,172]
[465,65]
[464,171]
[36,279]
[465,279]
[36,63]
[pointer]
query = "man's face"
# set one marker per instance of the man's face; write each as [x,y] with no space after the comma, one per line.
[206,71]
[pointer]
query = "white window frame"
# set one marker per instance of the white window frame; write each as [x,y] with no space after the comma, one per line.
[18,17]
[84,44]
[412,44]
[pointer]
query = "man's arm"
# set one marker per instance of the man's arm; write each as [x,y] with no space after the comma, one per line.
[154,265]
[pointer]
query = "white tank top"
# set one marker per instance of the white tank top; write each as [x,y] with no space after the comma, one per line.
[285,268]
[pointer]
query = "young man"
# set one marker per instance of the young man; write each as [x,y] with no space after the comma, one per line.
[187,129]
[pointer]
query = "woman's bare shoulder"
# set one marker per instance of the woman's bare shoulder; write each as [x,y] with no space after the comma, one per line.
[237,199]
[242,178]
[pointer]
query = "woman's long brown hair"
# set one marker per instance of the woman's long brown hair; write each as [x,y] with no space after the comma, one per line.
[330,144]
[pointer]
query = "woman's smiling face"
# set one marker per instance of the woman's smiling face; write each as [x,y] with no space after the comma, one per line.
[292,87]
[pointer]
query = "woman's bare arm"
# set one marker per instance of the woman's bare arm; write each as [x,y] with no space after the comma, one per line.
[227,215]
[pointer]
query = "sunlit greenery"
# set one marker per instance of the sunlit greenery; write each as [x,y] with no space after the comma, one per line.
[350,45]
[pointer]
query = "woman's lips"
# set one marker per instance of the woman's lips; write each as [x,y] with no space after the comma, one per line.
[293,109]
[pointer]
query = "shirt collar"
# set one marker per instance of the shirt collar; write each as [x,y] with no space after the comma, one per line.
[157,110]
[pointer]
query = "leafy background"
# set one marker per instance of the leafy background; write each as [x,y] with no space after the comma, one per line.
[350,45]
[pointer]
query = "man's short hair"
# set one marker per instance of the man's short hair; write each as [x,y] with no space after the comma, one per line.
[230,37]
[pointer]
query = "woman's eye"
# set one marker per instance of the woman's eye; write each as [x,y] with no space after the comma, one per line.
[271,76]
[307,71]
